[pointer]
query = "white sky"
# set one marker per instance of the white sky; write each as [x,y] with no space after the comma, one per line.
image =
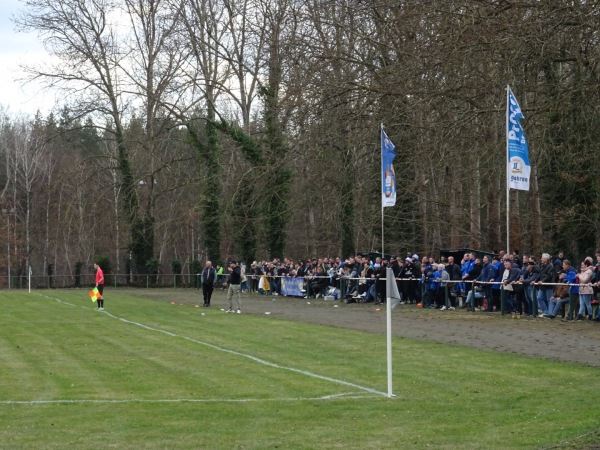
[14,49]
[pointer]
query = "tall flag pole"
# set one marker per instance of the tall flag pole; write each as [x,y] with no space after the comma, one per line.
[518,170]
[388,198]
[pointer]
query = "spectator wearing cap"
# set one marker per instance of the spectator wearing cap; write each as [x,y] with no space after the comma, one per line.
[416,264]
[557,263]
[410,281]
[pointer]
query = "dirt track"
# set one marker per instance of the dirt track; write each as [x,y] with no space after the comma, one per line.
[554,339]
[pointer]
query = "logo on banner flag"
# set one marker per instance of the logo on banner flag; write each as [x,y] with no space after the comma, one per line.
[519,168]
[388,175]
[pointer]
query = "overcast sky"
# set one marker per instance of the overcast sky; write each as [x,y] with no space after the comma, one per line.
[15,48]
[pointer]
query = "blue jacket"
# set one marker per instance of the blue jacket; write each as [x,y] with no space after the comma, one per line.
[498,272]
[570,277]
[488,273]
[467,267]
[514,273]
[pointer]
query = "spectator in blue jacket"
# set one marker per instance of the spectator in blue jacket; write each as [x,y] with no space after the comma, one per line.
[487,274]
[498,265]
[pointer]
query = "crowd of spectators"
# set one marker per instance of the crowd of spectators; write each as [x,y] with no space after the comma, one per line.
[515,284]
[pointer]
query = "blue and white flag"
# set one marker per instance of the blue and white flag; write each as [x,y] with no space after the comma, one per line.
[519,168]
[388,175]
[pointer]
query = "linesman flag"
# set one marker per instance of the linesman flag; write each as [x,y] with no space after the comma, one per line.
[388,175]
[519,168]
[94,294]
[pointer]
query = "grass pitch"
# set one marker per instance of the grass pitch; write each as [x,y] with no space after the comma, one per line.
[155,375]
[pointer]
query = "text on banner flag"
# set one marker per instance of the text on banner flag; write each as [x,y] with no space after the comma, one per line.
[388,175]
[519,168]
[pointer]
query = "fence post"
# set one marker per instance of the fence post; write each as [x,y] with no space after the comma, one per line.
[569,315]
[534,302]
[446,295]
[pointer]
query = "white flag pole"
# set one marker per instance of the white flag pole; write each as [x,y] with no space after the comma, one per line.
[382,184]
[507,176]
[388,301]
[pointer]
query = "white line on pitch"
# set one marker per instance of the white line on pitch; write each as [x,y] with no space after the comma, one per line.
[244,355]
[350,396]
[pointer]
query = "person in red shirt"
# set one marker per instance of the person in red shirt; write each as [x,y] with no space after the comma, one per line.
[100,286]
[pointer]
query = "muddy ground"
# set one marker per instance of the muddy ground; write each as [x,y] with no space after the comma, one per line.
[553,339]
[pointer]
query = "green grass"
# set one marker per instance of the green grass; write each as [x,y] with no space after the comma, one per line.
[149,374]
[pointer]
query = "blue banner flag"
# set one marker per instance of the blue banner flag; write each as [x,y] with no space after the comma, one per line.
[388,175]
[292,287]
[519,168]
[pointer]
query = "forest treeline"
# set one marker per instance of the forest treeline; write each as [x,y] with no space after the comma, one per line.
[199,129]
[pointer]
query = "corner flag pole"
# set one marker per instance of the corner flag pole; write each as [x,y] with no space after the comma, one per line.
[388,298]
[388,302]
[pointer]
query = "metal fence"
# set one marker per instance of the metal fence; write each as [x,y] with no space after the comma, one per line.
[117,280]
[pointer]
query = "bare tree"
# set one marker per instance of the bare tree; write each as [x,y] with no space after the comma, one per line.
[31,164]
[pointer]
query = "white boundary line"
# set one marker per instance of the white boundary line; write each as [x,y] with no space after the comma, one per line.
[236,353]
[348,395]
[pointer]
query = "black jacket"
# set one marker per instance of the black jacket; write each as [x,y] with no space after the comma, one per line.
[235,277]
[547,273]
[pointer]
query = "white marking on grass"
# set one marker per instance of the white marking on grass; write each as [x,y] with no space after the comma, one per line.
[351,396]
[252,358]
[244,355]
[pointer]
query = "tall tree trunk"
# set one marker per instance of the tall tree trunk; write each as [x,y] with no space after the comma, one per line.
[494,225]
[475,206]
[277,215]
[537,239]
